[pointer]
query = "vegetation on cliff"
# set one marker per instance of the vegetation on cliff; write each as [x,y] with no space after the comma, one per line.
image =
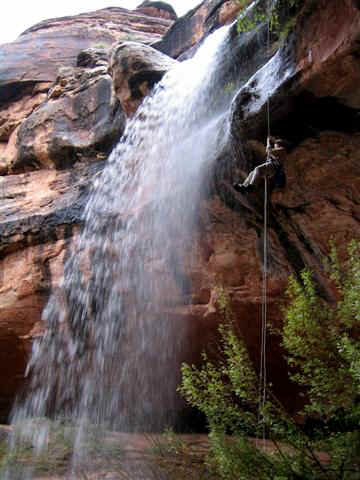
[322,348]
[277,13]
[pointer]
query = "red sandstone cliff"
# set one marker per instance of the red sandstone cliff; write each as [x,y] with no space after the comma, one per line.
[60,117]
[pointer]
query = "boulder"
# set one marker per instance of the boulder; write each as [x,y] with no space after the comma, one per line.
[135,68]
[80,119]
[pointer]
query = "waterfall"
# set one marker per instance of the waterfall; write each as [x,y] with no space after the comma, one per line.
[113,345]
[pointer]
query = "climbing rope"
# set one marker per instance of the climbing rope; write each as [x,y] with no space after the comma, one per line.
[263,370]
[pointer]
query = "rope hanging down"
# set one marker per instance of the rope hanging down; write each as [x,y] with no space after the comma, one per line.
[263,371]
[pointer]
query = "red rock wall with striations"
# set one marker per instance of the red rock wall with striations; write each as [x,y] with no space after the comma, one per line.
[42,204]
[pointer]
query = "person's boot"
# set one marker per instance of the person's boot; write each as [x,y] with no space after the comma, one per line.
[241,188]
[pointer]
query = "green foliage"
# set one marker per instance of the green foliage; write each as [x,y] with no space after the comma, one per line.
[280,15]
[350,350]
[318,337]
[224,391]
[323,352]
[249,20]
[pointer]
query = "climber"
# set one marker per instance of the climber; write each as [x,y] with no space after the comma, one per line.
[272,168]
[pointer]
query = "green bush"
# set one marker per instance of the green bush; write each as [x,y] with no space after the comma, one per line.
[323,352]
[280,14]
[318,337]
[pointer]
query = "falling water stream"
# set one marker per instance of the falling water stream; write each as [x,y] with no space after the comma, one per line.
[113,344]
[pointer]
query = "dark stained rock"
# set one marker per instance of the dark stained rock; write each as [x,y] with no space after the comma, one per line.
[190,29]
[93,57]
[304,74]
[271,83]
[81,118]
[135,69]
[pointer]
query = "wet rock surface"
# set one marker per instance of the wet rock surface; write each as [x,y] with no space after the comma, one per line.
[40,215]
[190,29]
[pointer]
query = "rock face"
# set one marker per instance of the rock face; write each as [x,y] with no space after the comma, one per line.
[80,118]
[197,24]
[39,216]
[25,61]
[28,72]
[58,111]
[56,127]
[157,9]
[135,69]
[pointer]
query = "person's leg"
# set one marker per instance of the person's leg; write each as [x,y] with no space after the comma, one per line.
[265,170]
[247,184]
[255,176]
[252,178]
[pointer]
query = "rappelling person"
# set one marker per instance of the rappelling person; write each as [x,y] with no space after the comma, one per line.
[272,168]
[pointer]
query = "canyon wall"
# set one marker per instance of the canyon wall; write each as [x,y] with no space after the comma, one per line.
[60,116]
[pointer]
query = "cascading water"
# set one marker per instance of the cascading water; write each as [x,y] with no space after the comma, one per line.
[112,349]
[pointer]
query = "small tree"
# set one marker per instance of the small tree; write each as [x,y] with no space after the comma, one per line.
[323,352]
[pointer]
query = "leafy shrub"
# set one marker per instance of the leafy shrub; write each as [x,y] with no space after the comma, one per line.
[323,353]
[280,14]
[318,337]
